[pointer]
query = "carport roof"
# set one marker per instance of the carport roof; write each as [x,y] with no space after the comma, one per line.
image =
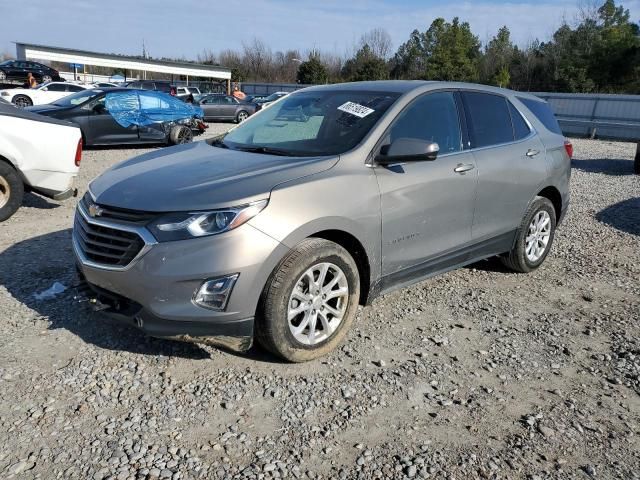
[70,55]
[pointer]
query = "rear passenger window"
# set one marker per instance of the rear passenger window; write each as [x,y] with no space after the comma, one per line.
[543,112]
[520,127]
[432,118]
[74,88]
[488,119]
[56,87]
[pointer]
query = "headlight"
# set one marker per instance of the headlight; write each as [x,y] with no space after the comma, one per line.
[180,226]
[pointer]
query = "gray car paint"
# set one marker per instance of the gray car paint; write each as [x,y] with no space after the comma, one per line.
[399,224]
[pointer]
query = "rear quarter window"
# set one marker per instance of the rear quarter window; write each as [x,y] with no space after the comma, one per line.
[543,112]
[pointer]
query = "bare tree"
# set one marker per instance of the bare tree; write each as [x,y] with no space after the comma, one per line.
[379,42]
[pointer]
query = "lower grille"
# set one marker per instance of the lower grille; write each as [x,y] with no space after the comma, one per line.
[106,245]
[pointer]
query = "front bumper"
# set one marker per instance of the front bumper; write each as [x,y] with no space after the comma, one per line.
[236,335]
[155,292]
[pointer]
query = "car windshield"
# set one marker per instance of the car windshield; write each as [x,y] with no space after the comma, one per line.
[6,62]
[77,98]
[311,123]
[273,97]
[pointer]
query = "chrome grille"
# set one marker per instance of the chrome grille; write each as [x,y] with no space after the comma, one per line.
[119,214]
[105,245]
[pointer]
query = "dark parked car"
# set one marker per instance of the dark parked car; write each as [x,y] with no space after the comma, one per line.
[158,85]
[19,69]
[115,116]
[225,107]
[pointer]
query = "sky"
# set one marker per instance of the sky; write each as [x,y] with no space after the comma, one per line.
[184,28]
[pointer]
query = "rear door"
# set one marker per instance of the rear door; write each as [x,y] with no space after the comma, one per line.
[510,159]
[151,127]
[228,107]
[427,206]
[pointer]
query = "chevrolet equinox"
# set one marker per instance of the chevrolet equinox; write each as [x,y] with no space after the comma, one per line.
[335,194]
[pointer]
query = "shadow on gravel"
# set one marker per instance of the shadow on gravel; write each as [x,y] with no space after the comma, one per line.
[492,264]
[36,201]
[608,166]
[624,216]
[33,265]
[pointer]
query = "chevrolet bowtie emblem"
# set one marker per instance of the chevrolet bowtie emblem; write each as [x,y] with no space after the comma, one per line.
[95,211]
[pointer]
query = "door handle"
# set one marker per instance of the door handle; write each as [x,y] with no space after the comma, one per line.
[532,153]
[463,167]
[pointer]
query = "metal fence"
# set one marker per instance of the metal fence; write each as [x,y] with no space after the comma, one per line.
[615,117]
[269,88]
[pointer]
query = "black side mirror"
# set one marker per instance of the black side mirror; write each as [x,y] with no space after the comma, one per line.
[407,150]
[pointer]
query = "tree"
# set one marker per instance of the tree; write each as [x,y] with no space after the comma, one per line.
[312,71]
[365,65]
[452,51]
[379,41]
[497,58]
[410,59]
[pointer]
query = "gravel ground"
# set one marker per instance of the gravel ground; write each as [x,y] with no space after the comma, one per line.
[479,373]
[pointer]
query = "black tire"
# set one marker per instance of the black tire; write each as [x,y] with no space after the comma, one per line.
[517,259]
[636,162]
[180,134]
[46,78]
[22,101]
[3,76]
[272,324]
[242,116]
[11,186]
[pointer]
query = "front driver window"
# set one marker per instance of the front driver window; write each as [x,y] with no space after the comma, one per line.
[431,118]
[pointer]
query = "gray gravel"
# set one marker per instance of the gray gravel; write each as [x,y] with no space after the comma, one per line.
[479,373]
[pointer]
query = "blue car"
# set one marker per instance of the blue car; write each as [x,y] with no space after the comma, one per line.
[123,116]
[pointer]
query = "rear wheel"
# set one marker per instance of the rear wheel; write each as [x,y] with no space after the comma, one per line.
[242,116]
[11,191]
[46,78]
[535,237]
[180,134]
[22,101]
[309,302]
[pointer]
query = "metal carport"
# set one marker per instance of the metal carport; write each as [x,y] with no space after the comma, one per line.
[28,51]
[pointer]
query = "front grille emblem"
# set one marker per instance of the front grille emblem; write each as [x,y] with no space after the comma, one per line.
[95,211]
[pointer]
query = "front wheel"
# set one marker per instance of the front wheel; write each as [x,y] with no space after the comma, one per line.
[180,134]
[11,191]
[3,76]
[309,302]
[22,101]
[535,237]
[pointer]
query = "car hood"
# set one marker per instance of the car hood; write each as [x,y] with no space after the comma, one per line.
[198,176]
[47,108]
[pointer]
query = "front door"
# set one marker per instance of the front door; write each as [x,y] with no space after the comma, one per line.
[427,206]
[102,127]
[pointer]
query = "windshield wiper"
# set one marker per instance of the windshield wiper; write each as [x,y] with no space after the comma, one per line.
[266,150]
[219,143]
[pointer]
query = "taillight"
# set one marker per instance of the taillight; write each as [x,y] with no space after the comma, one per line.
[568,146]
[79,153]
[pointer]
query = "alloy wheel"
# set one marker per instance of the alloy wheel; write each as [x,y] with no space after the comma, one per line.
[46,78]
[242,116]
[538,236]
[318,303]
[5,191]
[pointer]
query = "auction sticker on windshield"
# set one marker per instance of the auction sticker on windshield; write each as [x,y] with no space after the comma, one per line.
[356,109]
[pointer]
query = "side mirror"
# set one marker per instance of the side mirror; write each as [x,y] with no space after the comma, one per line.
[407,150]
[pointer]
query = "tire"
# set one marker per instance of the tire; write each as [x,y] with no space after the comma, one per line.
[3,76]
[46,78]
[22,101]
[274,325]
[242,116]
[11,191]
[180,134]
[526,257]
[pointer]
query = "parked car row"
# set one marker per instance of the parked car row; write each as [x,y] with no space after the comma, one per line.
[20,69]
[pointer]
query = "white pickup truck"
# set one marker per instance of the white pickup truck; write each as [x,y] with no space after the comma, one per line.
[38,154]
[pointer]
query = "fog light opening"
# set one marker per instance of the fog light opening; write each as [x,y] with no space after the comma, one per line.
[214,293]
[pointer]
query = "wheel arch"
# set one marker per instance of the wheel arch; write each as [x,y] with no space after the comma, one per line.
[357,251]
[553,195]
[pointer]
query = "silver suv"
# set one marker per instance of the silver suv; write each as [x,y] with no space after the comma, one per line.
[279,229]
